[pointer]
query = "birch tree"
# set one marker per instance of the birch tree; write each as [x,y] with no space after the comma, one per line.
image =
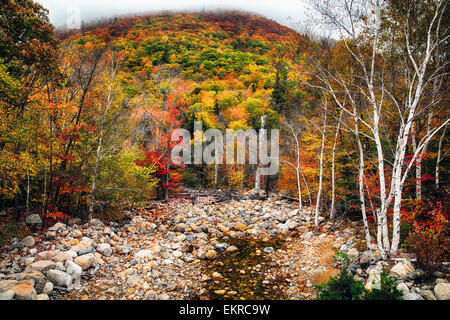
[363,29]
[100,152]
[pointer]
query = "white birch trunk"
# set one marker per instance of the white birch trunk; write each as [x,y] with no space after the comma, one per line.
[258,167]
[333,170]
[319,192]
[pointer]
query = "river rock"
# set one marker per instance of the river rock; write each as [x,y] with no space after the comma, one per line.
[143,255]
[33,219]
[403,270]
[24,292]
[104,249]
[427,294]
[6,285]
[291,224]
[403,288]
[28,241]
[412,296]
[211,254]
[353,254]
[59,278]
[48,288]
[7,295]
[85,261]
[442,291]
[41,266]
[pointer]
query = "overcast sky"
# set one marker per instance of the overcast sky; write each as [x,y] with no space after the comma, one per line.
[286,12]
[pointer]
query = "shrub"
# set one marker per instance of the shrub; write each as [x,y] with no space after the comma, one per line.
[388,290]
[341,287]
[346,287]
[430,251]
[341,258]
[429,239]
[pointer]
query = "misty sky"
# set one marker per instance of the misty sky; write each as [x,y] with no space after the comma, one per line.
[286,12]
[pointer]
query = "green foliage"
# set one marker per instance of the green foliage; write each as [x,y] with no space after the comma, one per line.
[341,287]
[345,287]
[341,258]
[388,290]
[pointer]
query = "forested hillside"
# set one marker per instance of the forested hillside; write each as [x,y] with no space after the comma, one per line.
[86,120]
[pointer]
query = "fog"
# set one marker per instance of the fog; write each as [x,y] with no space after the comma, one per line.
[286,12]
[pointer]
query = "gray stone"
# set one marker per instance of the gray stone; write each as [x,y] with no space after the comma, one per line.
[427,294]
[33,219]
[291,224]
[403,270]
[309,235]
[268,249]
[85,251]
[403,288]
[412,296]
[48,288]
[221,246]
[442,291]
[7,295]
[353,254]
[41,266]
[28,241]
[143,255]
[283,227]
[104,249]
[59,278]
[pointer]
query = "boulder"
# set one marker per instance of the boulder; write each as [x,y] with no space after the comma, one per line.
[96,222]
[33,219]
[211,254]
[291,224]
[427,294]
[231,249]
[442,291]
[403,270]
[24,292]
[59,278]
[367,257]
[56,255]
[403,288]
[104,249]
[7,295]
[353,254]
[48,288]
[412,296]
[41,266]
[80,246]
[85,261]
[6,285]
[74,270]
[37,278]
[28,241]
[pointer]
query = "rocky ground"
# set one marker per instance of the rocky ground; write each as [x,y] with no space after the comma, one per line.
[184,249]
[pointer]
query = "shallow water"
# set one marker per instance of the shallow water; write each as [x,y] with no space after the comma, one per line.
[244,271]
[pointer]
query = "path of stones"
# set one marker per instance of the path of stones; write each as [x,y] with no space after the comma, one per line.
[170,251]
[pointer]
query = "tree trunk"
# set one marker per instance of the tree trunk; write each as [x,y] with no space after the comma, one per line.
[319,192]
[333,170]
[258,167]
[438,158]
[361,187]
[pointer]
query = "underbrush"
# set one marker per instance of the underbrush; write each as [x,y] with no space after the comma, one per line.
[345,287]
